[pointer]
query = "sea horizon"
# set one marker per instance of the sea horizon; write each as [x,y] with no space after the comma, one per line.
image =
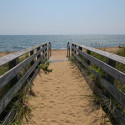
[19,42]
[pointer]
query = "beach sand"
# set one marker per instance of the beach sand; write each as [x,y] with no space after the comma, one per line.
[4,53]
[111,49]
[63,96]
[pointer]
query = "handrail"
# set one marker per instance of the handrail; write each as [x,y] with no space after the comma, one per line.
[15,77]
[12,56]
[107,81]
[112,56]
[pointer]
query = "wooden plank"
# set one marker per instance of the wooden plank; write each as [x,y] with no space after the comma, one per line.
[12,64]
[10,115]
[11,93]
[12,56]
[31,53]
[31,80]
[113,64]
[5,78]
[115,112]
[32,62]
[87,61]
[39,54]
[112,56]
[50,49]
[111,89]
[109,69]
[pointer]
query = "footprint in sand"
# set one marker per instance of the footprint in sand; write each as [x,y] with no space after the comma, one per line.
[51,101]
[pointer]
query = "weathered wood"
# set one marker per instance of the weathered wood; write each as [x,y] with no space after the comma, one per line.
[113,64]
[31,53]
[114,111]
[112,90]
[9,117]
[72,47]
[68,50]
[43,46]
[11,114]
[32,62]
[12,56]
[11,93]
[39,54]
[112,56]
[87,61]
[12,64]
[48,51]
[109,69]
[50,47]
[45,51]
[5,78]
[75,47]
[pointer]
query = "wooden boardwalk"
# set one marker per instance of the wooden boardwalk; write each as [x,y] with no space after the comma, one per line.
[62,96]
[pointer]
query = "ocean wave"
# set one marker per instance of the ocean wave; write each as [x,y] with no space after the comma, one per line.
[19,47]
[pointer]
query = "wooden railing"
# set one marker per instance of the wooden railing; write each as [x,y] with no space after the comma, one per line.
[18,73]
[68,49]
[106,81]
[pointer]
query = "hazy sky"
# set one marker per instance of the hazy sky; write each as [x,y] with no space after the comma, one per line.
[62,17]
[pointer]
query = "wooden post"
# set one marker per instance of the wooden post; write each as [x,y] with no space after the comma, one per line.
[32,62]
[87,61]
[68,49]
[39,54]
[80,48]
[113,64]
[50,48]
[45,51]
[31,53]
[75,47]
[72,48]
[12,64]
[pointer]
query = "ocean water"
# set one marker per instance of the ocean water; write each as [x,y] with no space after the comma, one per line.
[19,42]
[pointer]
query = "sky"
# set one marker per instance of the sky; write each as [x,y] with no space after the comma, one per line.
[62,17]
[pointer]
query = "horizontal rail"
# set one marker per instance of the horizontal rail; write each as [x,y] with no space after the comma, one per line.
[11,93]
[109,69]
[103,53]
[112,90]
[39,53]
[107,102]
[5,78]
[10,114]
[12,56]
[111,74]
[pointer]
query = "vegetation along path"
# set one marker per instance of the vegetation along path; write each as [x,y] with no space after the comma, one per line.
[62,97]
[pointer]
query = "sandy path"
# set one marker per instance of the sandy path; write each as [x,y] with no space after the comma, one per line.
[61,98]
